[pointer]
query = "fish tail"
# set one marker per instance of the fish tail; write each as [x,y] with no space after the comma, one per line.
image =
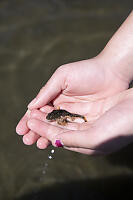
[84,118]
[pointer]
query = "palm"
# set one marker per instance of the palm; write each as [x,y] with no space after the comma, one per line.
[91,96]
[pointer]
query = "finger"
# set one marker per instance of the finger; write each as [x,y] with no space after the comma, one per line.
[68,138]
[36,114]
[30,138]
[47,109]
[50,132]
[22,127]
[52,88]
[44,129]
[42,143]
[107,134]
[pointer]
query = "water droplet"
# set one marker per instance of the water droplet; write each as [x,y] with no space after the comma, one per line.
[50,157]
[44,172]
[52,151]
[46,164]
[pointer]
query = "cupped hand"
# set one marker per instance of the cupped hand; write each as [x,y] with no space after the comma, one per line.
[110,132]
[79,87]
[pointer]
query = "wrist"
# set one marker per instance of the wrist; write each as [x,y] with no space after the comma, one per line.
[118,53]
[119,65]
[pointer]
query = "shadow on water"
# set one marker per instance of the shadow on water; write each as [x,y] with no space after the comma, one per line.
[108,188]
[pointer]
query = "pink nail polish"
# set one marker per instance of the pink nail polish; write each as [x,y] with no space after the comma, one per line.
[58,143]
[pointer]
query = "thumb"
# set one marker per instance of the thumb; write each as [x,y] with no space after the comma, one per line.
[52,88]
[77,139]
[72,139]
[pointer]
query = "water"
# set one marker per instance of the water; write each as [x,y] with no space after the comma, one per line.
[35,38]
[46,164]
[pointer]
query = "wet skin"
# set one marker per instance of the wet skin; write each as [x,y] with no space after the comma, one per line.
[62,117]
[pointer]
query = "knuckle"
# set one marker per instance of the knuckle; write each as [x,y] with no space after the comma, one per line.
[60,68]
[33,113]
[42,89]
[63,68]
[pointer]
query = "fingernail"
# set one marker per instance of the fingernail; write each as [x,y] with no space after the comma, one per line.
[26,140]
[18,131]
[32,102]
[58,143]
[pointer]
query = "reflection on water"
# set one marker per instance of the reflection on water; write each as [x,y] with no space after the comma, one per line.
[35,38]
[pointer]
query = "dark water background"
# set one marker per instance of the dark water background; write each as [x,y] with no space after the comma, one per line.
[37,36]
